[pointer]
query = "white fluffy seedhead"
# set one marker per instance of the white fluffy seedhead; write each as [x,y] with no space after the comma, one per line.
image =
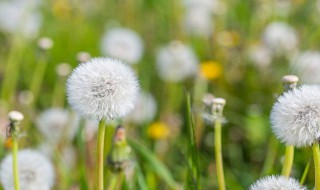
[102,88]
[35,171]
[307,66]
[57,124]
[123,44]
[281,38]
[295,117]
[145,109]
[176,62]
[199,22]
[277,183]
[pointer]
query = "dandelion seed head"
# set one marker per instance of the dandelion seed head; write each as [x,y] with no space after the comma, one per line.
[20,16]
[63,69]
[102,88]
[176,62]
[57,124]
[277,183]
[45,43]
[260,55]
[15,116]
[35,171]
[123,44]
[280,38]
[198,22]
[83,57]
[307,66]
[295,117]
[145,109]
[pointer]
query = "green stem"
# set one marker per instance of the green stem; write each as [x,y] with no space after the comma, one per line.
[316,158]
[100,155]
[15,162]
[11,72]
[113,182]
[37,78]
[305,173]
[218,154]
[58,98]
[270,156]
[288,160]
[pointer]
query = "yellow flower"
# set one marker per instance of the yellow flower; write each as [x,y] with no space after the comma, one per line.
[158,130]
[210,70]
[62,9]
[228,39]
[8,143]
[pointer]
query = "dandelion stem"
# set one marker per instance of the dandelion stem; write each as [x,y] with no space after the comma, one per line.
[218,154]
[316,158]
[305,172]
[100,155]
[288,160]
[15,162]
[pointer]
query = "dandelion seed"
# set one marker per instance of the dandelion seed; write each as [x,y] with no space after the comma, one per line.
[295,117]
[277,183]
[102,88]
[123,44]
[15,116]
[35,171]
[176,62]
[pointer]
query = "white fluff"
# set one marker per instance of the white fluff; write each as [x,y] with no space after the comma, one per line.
[102,88]
[35,171]
[22,16]
[123,44]
[260,55]
[145,109]
[277,183]
[57,124]
[199,22]
[176,62]
[281,38]
[307,66]
[295,117]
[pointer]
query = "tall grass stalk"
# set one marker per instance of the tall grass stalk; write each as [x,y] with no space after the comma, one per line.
[193,155]
[305,172]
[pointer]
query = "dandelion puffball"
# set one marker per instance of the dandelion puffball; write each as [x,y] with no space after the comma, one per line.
[55,124]
[176,62]
[123,44]
[198,22]
[145,109]
[102,88]
[295,117]
[280,38]
[35,171]
[307,66]
[20,16]
[277,183]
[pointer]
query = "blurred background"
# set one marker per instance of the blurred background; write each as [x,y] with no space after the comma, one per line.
[237,50]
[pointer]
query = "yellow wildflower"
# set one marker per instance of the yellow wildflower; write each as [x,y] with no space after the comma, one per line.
[8,143]
[210,70]
[158,130]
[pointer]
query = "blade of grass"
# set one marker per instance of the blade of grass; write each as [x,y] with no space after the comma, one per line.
[193,156]
[156,165]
